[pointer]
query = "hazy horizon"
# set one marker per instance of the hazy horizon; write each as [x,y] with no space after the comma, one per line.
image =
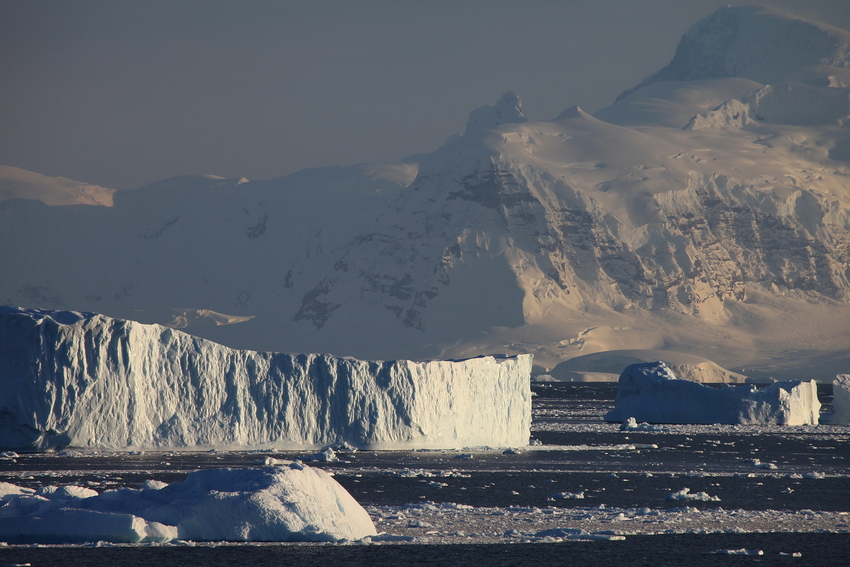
[122,94]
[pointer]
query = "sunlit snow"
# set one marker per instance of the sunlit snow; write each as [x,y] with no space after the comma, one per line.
[286,503]
[87,380]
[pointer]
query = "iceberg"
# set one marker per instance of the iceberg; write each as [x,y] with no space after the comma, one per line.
[650,392]
[286,503]
[87,380]
[840,401]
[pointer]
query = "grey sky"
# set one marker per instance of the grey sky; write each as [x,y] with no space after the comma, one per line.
[122,93]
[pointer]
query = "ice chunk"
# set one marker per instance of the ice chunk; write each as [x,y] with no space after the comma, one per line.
[276,504]
[93,381]
[686,494]
[739,552]
[650,392]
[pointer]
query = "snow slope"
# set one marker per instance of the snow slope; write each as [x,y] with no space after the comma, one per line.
[16,183]
[608,365]
[87,380]
[562,238]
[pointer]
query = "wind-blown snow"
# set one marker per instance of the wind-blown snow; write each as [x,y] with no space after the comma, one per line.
[287,503]
[84,379]
[650,392]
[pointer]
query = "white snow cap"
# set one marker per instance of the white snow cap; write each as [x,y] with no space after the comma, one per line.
[508,110]
[287,503]
[650,392]
[760,44]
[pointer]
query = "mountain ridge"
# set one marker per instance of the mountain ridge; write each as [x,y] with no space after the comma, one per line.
[660,223]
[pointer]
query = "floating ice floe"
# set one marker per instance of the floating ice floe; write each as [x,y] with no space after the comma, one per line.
[739,552]
[287,503]
[87,380]
[569,495]
[685,494]
[650,392]
[631,424]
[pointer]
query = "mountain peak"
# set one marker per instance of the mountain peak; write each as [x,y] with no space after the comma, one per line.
[761,44]
[508,110]
[574,111]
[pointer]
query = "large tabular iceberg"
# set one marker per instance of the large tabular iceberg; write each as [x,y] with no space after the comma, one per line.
[287,503]
[87,380]
[650,392]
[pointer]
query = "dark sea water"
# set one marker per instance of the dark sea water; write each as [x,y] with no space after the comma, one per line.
[717,462]
[831,550]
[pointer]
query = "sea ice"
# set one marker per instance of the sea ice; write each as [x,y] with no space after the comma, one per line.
[285,503]
[88,380]
[686,494]
[650,392]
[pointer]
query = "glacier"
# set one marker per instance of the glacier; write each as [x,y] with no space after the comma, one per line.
[285,503]
[650,392]
[87,380]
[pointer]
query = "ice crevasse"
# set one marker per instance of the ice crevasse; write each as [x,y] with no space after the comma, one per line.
[87,380]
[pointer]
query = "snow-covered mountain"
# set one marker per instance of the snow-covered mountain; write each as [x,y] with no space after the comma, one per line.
[707,211]
[17,183]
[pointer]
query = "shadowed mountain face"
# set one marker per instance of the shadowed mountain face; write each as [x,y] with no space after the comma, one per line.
[703,212]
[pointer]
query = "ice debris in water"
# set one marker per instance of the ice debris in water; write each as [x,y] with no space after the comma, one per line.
[631,424]
[569,495]
[739,552]
[326,456]
[685,494]
[294,503]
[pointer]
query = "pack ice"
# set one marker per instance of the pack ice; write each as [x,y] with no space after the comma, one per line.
[287,503]
[87,380]
[650,392]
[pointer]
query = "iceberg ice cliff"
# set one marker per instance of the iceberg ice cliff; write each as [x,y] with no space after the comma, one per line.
[650,392]
[840,401]
[87,380]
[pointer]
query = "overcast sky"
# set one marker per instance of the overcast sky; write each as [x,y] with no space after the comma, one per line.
[122,93]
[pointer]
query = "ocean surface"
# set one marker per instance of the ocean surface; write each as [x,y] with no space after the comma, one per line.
[778,490]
